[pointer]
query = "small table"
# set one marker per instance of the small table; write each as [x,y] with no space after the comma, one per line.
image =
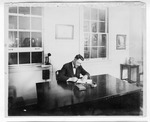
[129,67]
[46,70]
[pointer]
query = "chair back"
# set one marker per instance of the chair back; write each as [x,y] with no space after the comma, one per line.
[57,74]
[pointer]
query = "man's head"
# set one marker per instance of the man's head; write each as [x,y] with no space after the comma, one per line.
[78,60]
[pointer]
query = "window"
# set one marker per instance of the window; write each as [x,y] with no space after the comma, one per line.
[95,33]
[25,43]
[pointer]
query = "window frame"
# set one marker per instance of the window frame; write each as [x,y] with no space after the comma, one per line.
[82,20]
[30,30]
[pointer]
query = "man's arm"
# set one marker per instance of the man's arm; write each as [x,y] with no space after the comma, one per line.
[62,74]
[85,74]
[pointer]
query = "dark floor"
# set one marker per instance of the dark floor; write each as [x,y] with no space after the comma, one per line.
[87,109]
[34,111]
[19,108]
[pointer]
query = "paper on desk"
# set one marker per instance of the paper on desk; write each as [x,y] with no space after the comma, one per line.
[88,81]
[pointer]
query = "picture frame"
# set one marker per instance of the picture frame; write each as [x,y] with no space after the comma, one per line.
[120,42]
[64,31]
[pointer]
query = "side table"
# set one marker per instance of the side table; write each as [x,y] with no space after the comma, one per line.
[129,67]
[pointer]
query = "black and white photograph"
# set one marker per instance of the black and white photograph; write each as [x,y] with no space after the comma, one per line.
[78,58]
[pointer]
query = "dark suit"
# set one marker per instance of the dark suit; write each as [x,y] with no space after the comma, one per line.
[67,71]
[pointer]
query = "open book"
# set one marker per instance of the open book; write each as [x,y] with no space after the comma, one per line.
[88,81]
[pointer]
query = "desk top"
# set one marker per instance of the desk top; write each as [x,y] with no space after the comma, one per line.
[59,95]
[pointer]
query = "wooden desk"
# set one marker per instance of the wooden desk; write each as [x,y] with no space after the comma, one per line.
[110,91]
[129,68]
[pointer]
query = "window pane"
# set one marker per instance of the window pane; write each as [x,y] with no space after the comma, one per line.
[24,23]
[86,52]
[13,58]
[102,40]
[12,22]
[12,9]
[13,39]
[36,57]
[94,14]
[86,26]
[24,58]
[24,10]
[102,27]
[94,26]
[24,39]
[102,15]
[36,11]
[102,52]
[86,13]
[94,52]
[36,23]
[36,39]
[86,39]
[94,39]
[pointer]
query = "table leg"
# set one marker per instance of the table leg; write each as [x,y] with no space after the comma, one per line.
[121,69]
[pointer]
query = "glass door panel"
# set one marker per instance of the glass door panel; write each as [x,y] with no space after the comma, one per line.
[24,10]
[102,15]
[102,27]
[86,13]
[102,39]
[13,58]
[102,52]
[24,39]
[86,39]
[36,57]
[12,9]
[12,22]
[94,14]
[94,27]
[94,52]
[36,23]
[13,39]
[94,39]
[36,11]
[24,58]
[24,23]
[86,52]
[36,39]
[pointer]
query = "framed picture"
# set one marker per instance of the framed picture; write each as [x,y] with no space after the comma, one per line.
[64,31]
[120,42]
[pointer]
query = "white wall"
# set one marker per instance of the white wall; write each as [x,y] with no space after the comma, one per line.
[62,50]
[137,24]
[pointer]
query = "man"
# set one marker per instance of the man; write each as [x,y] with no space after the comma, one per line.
[71,71]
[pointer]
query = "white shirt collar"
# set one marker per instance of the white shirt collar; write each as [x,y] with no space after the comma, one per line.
[73,65]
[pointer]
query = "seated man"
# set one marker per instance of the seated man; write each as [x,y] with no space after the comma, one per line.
[71,71]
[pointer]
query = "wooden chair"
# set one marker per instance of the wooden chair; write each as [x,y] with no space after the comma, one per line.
[57,74]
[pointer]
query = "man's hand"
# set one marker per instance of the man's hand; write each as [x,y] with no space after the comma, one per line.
[84,78]
[73,79]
